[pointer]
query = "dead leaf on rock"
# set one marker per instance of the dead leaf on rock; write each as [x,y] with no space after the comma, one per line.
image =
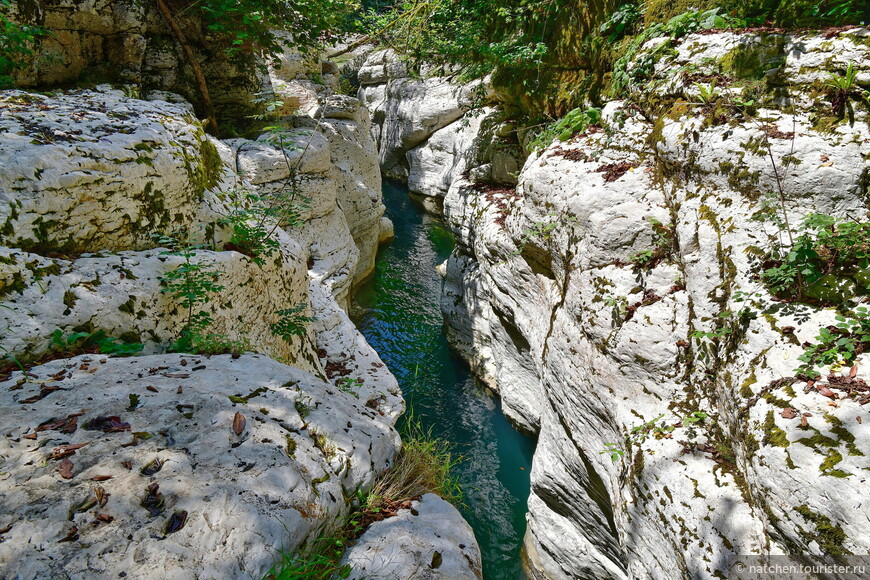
[153,500]
[105,518]
[177,375]
[102,496]
[853,372]
[788,413]
[101,477]
[804,422]
[65,469]
[127,464]
[67,425]
[71,536]
[176,522]
[238,423]
[30,436]
[111,424]
[152,467]
[826,392]
[65,451]
[152,389]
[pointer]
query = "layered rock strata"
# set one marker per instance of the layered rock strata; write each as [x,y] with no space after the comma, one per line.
[603,297]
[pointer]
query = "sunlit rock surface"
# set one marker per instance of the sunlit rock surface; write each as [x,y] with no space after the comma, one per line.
[256,454]
[427,540]
[550,295]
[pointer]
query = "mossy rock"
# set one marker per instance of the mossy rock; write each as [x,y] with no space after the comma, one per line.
[832,289]
[755,60]
[664,10]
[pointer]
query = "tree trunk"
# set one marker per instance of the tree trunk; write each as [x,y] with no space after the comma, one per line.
[210,123]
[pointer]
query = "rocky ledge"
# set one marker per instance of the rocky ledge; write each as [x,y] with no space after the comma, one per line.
[177,466]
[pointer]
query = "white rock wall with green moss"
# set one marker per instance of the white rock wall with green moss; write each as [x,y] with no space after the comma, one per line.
[601,299]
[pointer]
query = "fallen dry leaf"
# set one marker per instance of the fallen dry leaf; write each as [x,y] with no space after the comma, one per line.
[71,536]
[102,496]
[826,392]
[111,424]
[176,522]
[101,477]
[152,389]
[65,451]
[65,469]
[788,413]
[853,372]
[238,423]
[804,422]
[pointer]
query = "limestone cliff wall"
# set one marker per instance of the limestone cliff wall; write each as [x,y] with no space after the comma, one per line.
[585,341]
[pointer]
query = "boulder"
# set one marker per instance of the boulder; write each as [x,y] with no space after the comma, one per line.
[428,540]
[178,466]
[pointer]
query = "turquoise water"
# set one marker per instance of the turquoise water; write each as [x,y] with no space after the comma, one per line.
[401,318]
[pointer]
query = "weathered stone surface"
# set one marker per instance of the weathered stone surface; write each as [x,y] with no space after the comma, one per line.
[128,41]
[430,540]
[97,170]
[121,294]
[407,111]
[250,486]
[584,346]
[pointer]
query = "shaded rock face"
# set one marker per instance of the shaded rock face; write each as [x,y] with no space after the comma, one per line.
[255,453]
[407,112]
[428,540]
[128,41]
[549,296]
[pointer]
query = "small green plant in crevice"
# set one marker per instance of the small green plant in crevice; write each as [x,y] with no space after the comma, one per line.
[192,285]
[349,385]
[828,248]
[574,122]
[841,89]
[254,219]
[663,243]
[658,429]
[613,450]
[837,345]
[291,322]
[424,465]
[77,343]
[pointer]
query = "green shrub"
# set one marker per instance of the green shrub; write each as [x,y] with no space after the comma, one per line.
[17,42]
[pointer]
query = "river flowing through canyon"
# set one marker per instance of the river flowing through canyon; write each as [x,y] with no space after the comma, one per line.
[399,314]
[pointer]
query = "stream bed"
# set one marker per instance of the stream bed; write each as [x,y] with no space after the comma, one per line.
[399,314]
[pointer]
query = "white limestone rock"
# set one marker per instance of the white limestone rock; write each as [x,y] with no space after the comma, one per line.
[429,540]
[122,295]
[542,294]
[407,111]
[301,447]
[444,157]
[98,170]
